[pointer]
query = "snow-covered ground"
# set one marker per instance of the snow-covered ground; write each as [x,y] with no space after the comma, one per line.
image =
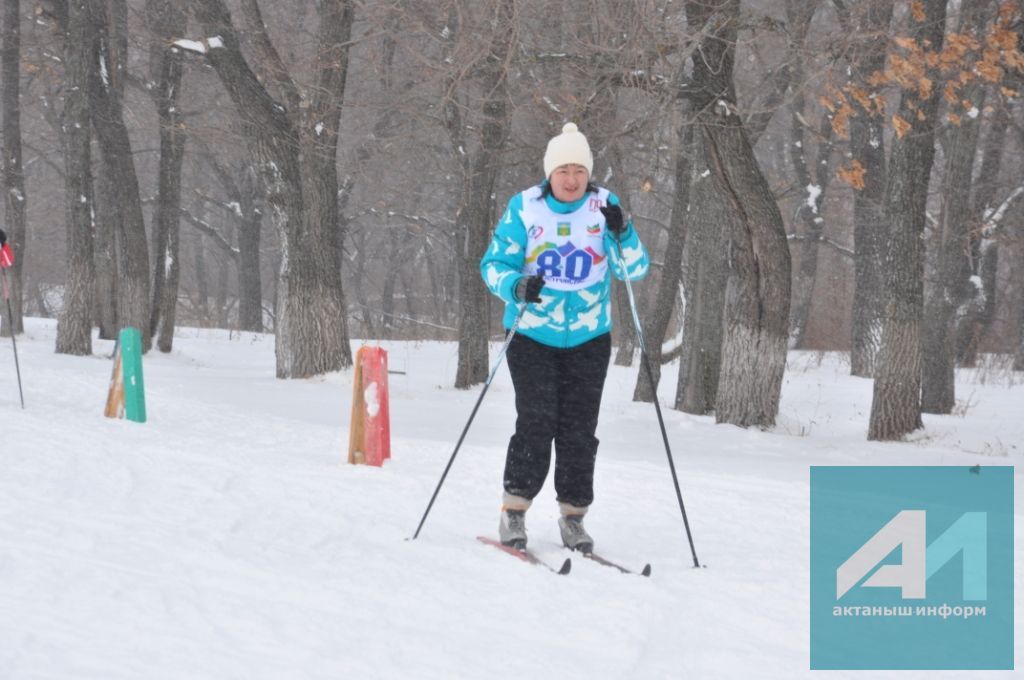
[227,537]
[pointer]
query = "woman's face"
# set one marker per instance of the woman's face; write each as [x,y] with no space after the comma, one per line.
[569,182]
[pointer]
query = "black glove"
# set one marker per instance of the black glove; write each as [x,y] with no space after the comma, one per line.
[3,238]
[528,288]
[614,219]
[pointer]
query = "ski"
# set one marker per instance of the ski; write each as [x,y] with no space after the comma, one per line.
[594,557]
[527,556]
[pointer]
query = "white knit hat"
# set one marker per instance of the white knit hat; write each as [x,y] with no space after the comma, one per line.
[569,147]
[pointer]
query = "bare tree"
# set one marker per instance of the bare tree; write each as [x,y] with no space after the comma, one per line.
[668,285]
[953,286]
[105,253]
[867,26]
[978,312]
[295,143]
[74,328]
[106,101]
[1018,357]
[479,169]
[245,206]
[896,401]
[812,179]
[166,21]
[14,177]
[705,270]
[758,289]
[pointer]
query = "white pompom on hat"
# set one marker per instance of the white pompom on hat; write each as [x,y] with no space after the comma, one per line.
[569,147]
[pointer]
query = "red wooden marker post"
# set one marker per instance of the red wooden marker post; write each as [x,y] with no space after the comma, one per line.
[369,439]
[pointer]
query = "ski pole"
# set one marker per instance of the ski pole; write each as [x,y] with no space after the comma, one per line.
[14,343]
[657,407]
[497,363]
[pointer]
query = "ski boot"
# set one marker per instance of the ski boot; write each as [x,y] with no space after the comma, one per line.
[574,536]
[512,528]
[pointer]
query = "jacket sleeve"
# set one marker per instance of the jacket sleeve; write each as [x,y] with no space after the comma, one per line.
[634,261]
[502,264]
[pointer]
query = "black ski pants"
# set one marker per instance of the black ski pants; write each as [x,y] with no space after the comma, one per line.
[558,397]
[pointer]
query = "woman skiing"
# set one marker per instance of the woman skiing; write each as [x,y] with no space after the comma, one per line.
[555,250]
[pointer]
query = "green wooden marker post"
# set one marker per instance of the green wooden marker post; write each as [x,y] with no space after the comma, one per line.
[131,366]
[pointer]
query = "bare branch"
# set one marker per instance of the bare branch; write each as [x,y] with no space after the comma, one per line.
[846,252]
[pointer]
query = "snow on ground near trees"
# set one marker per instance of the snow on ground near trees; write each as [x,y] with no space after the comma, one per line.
[227,538]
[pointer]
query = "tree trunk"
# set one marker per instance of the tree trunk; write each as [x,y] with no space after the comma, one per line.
[14,178]
[953,286]
[244,191]
[979,311]
[409,287]
[310,326]
[475,216]
[814,186]
[222,296]
[870,25]
[896,401]
[74,327]
[359,283]
[600,119]
[623,312]
[627,334]
[948,296]
[250,286]
[166,22]
[758,289]
[320,185]
[387,293]
[1018,357]
[202,284]
[813,180]
[668,285]
[105,99]
[704,276]
[105,228]
[771,91]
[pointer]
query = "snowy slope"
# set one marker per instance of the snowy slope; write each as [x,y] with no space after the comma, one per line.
[227,538]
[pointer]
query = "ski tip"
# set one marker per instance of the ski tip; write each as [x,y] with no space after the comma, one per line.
[566,566]
[646,571]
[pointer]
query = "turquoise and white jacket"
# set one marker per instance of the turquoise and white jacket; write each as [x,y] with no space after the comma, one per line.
[569,245]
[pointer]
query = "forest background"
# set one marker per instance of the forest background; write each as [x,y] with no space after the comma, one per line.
[839,175]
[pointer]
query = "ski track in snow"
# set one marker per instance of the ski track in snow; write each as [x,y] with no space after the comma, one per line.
[227,537]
